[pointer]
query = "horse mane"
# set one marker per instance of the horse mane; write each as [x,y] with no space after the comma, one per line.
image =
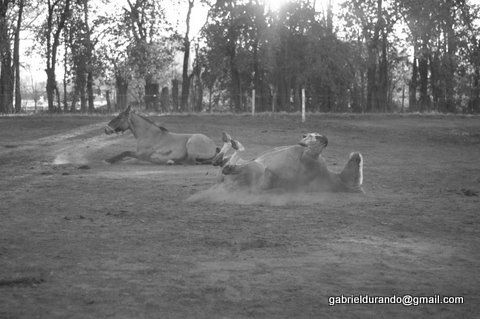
[151,122]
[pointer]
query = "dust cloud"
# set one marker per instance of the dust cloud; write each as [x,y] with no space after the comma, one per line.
[82,152]
[226,194]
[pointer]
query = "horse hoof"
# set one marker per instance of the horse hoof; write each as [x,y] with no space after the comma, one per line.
[170,162]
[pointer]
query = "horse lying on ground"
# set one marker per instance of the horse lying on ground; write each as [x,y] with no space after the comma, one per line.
[157,145]
[294,167]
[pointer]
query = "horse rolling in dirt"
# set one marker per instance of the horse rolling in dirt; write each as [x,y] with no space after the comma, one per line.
[157,145]
[294,167]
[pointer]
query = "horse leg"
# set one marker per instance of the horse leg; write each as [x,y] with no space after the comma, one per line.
[209,160]
[267,180]
[352,174]
[121,156]
[250,175]
[189,160]
[162,157]
[204,161]
[232,169]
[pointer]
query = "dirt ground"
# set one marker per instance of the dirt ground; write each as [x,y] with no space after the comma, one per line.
[80,238]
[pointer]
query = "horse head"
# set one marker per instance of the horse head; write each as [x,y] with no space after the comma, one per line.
[120,123]
[314,142]
[228,144]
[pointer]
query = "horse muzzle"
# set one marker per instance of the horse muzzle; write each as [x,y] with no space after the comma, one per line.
[324,140]
[109,130]
[218,160]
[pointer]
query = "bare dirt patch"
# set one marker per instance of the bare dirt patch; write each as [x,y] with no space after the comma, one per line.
[80,238]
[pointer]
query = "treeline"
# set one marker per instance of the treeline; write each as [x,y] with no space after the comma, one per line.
[360,56]
[382,56]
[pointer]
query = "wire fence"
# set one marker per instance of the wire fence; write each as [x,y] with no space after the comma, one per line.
[251,101]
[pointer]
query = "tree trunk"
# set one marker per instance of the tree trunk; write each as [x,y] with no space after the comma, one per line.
[6,85]
[164,100]
[65,94]
[82,92]
[90,96]
[186,58]
[6,70]
[424,101]
[235,86]
[51,85]
[329,18]
[474,103]
[296,96]
[210,91]
[57,94]
[65,73]
[450,63]
[356,99]
[235,89]
[372,45]
[193,94]
[371,81]
[16,58]
[256,71]
[121,86]
[199,98]
[412,86]
[73,107]
[175,95]
[89,59]
[382,100]
[274,97]
[109,103]
[152,94]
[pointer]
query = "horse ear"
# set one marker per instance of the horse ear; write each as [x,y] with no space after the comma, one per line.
[324,139]
[240,146]
[304,135]
[237,145]
[226,137]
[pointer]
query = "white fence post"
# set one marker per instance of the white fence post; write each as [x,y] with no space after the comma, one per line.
[303,105]
[253,102]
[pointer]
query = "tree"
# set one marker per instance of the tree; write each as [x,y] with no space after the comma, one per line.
[57,14]
[225,28]
[360,69]
[234,34]
[82,56]
[113,58]
[371,17]
[211,63]
[439,31]
[150,48]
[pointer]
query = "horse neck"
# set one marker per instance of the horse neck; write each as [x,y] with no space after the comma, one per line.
[141,127]
[313,151]
[235,159]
